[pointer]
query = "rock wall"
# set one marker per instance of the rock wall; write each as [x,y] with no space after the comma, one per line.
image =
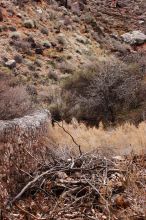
[25,129]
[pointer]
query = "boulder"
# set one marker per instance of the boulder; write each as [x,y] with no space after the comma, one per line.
[11,64]
[134,37]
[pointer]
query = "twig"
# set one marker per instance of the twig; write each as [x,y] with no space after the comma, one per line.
[29,184]
[105,178]
[107,205]
[32,156]
[33,216]
[67,132]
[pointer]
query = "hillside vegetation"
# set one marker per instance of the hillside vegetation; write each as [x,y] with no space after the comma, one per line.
[72,109]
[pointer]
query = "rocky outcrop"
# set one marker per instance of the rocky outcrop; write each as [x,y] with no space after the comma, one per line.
[134,37]
[26,129]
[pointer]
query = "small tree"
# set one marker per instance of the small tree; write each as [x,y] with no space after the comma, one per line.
[112,89]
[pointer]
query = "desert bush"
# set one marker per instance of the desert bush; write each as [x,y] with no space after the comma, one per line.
[66,67]
[15,102]
[100,94]
[136,61]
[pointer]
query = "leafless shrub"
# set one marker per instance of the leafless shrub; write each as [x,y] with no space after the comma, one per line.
[136,61]
[22,46]
[89,186]
[103,94]
[66,67]
[14,101]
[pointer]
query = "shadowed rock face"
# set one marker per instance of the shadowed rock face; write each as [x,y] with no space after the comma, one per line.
[27,128]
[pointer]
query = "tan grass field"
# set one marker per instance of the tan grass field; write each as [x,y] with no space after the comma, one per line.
[123,139]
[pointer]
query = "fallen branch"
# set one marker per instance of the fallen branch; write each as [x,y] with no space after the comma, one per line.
[30,184]
[67,132]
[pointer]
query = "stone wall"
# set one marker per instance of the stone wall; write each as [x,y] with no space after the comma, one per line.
[27,128]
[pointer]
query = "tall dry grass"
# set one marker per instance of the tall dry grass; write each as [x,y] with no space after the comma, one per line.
[120,140]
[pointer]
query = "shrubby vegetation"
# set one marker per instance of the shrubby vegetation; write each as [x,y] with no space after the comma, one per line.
[103,91]
[15,100]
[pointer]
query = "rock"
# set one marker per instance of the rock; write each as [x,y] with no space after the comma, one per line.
[11,64]
[31,126]
[82,39]
[134,37]
[141,21]
[39,10]
[19,15]
[29,23]
[119,158]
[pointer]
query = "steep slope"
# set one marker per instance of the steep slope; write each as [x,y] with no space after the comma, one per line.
[44,42]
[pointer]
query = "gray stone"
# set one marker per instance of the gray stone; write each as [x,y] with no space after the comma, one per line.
[31,126]
[11,64]
[134,37]
[82,39]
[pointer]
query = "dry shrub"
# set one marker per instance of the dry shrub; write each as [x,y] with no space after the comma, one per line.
[101,186]
[136,62]
[17,162]
[14,101]
[22,46]
[103,93]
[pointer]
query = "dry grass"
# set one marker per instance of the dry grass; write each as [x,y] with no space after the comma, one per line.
[121,140]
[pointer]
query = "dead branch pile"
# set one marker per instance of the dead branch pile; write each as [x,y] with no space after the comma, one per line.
[89,186]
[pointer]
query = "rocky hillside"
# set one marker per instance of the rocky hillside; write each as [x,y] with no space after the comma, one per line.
[43,42]
[85,61]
